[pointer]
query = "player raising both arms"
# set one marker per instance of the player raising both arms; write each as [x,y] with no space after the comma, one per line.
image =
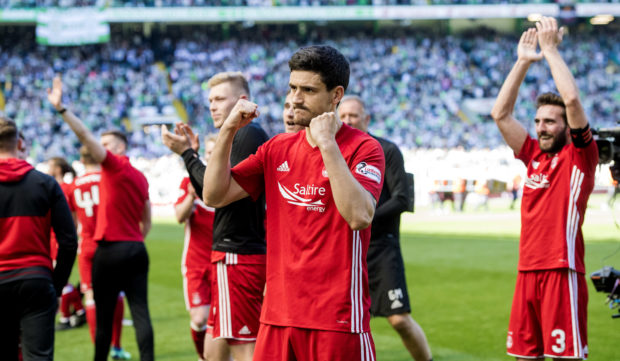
[321,186]
[548,317]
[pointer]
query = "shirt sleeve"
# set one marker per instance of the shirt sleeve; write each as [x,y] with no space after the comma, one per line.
[395,180]
[250,173]
[112,162]
[196,169]
[586,157]
[368,167]
[246,142]
[182,191]
[527,150]
[66,236]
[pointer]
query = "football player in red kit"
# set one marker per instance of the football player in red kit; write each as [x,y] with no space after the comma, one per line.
[196,261]
[72,313]
[321,187]
[121,261]
[84,199]
[548,317]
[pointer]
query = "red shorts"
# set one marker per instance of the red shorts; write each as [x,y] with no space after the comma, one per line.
[277,343]
[85,266]
[549,315]
[197,286]
[236,299]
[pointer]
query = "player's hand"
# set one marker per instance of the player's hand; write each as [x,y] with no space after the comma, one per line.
[176,143]
[323,128]
[54,95]
[526,50]
[549,37]
[186,130]
[241,114]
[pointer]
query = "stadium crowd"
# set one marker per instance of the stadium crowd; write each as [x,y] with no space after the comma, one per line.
[180,3]
[415,84]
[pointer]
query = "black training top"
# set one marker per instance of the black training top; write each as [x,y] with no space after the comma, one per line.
[31,204]
[394,195]
[240,226]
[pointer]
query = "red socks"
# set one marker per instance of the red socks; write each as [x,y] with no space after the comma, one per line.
[198,335]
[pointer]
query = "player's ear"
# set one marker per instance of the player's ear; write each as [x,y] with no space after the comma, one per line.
[337,94]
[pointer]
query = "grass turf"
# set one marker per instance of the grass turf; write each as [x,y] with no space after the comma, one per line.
[461,270]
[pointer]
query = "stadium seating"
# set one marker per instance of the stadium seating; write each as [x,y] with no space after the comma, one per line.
[415,84]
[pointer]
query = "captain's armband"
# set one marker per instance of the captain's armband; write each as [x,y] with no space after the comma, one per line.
[581,137]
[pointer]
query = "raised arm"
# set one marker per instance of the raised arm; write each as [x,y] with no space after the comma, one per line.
[184,209]
[87,138]
[355,204]
[513,132]
[549,37]
[220,188]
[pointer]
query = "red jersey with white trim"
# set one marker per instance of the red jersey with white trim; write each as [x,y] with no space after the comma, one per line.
[316,264]
[198,232]
[555,195]
[124,192]
[66,190]
[85,199]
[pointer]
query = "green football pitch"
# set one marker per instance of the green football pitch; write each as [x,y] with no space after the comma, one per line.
[461,270]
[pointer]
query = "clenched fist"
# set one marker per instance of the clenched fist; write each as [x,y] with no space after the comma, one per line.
[241,114]
[323,128]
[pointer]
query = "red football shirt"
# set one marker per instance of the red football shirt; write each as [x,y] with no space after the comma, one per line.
[198,232]
[554,202]
[316,264]
[85,200]
[66,190]
[124,191]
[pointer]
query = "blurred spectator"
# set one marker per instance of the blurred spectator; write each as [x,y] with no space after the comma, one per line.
[414,83]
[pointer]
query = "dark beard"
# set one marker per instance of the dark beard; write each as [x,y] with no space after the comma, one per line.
[558,143]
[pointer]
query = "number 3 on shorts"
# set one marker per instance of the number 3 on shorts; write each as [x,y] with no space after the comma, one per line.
[560,340]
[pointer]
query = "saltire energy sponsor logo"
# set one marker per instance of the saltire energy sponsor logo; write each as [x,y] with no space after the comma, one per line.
[295,197]
[537,181]
[368,171]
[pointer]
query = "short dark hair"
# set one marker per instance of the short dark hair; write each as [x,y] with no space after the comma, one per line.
[8,135]
[65,167]
[118,134]
[325,60]
[552,99]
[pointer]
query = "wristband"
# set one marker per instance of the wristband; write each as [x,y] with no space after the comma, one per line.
[62,111]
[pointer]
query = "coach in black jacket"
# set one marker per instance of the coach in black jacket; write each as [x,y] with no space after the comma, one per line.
[386,270]
[30,204]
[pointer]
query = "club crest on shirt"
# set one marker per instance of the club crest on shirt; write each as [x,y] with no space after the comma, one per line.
[294,196]
[368,171]
[324,173]
[535,164]
[554,162]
